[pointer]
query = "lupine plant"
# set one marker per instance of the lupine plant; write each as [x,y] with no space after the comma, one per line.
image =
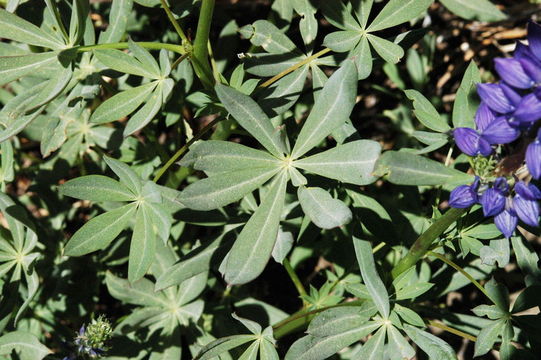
[285,179]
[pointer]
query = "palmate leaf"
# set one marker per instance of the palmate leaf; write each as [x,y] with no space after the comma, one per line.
[14,67]
[250,116]
[15,28]
[336,320]
[426,113]
[398,345]
[375,346]
[144,115]
[118,21]
[342,41]
[466,101]
[389,51]
[97,233]
[363,58]
[482,10]
[322,209]
[398,11]
[25,344]
[339,15]
[252,249]
[126,175]
[140,292]
[124,63]
[265,34]
[222,345]
[352,162]
[433,346]
[332,108]
[142,245]
[225,188]
[96,188]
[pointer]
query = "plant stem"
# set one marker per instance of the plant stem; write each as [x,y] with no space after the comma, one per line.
[178,61]
[200,46]
[124,45]
[183,149]
[425,240]
[452,330]
[294,278]
[460,270]
[294,67]
[174,22]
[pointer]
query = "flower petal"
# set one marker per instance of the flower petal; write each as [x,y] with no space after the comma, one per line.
[527,191]
[494,96]
[499,132]
[534,38]
[470,142]
[512,72]
[484,116]
[529,109]
[506,222]
[531,68]
[527,210]
[493,202]
[462,196]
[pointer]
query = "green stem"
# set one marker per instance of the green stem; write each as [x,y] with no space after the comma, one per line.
[294,278]
[200,48]
[452,330]
[124,45]
[294,67]
[462,271]
[423,242]
[174,22]
[183,149]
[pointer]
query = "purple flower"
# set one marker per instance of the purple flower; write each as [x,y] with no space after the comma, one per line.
[533,156]
[498,97]
[534,38]
[493,199]
[513,73]
[471,143]
[528,110]
[506,221]
[464,196]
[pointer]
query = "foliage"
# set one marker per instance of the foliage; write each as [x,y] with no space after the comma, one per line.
[171,184]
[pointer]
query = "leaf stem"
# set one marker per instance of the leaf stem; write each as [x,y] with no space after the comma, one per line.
[200,46]
[124,45]
[460,270]
[185,148]
[425,240]
[174,22]
[294,67]
[451,330]
[294,278]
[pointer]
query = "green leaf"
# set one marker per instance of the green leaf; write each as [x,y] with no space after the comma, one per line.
[322,209]
[433,346]
[482,10]
[122,104]
[332,109]
[336,320]
[222,345]
[126,175]
[190,289]
[319,348]
[351,163]
[15,28]
[118,22]
[214,157]
[378,292]
[252,249]
[124,63]
[14,67]
[97,233]
[488,336]
[430,138]
[267,351]
[96,188]
[145,115]
[466,101]
[527,299]
[251,352]
[145,58]
[282,247]
[26,344]
[398,345]
[160,219]
[397,12]
[389,51]
[413,291]
[80,12]
[140,292]
[281,95]
[362,9]
[342,41]
[265,34]
[374,347]
[142,246]
[426,113]
[254,327]
[491,311]
[339,15]
[52,89]
[225,188]
[250,116]
[498,251]
[404,168]
[527,258]
[498,293]
[363,58]
[408,315]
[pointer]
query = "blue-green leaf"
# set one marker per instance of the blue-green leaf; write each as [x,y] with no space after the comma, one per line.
[96,188]
[398,11]
[322,209]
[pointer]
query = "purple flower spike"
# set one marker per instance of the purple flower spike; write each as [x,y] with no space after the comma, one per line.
[534,38]
[500,132]
[512,72]
[483,117]
[464,196]
[527,191]
[493,202]
[532,68]
[506,222]
[495,97]
[471,143]
[533,157]
[527,210]
[529,109]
